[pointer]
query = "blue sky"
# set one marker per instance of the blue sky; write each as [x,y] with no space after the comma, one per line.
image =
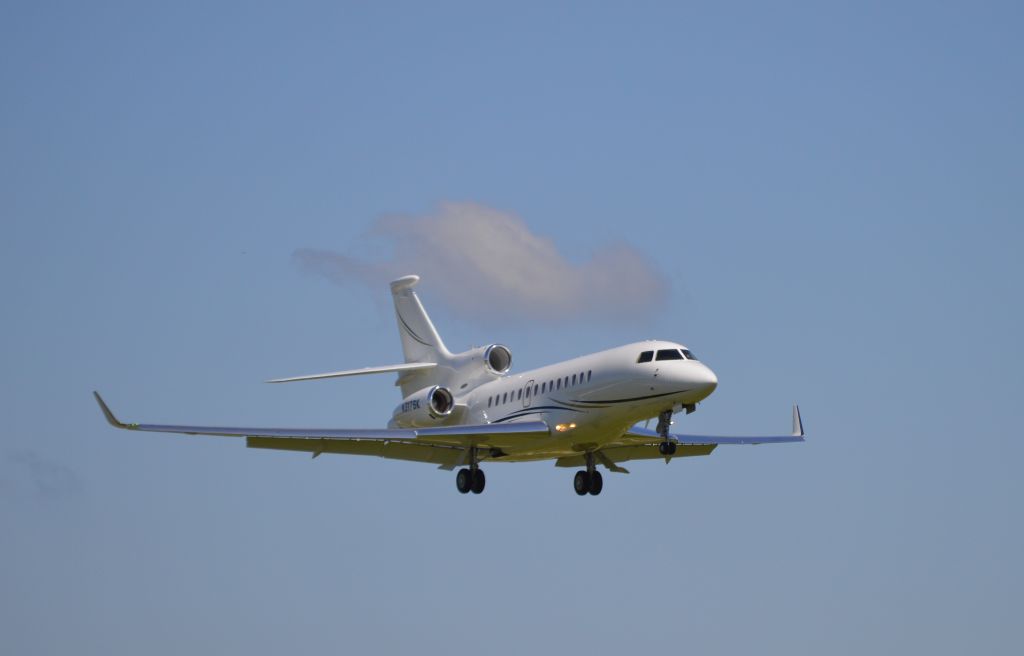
[831,191]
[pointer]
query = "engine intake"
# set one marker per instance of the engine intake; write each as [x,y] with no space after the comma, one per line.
[498,358]
[441,401]
[427,407]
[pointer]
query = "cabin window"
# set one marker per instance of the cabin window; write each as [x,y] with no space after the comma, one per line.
[646,356]
[489,399]
[535,390]
[670,354]
[520,395]
[574,379]
[581,378]
[543,388]
[504,397]
[689,354]
[589,371]
[559,383]
[566,381]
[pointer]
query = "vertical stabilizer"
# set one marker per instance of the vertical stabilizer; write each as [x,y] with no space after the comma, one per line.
[420,341]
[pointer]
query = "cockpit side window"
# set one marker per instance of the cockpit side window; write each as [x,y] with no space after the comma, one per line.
[689,354]
[646,356]
[670,354]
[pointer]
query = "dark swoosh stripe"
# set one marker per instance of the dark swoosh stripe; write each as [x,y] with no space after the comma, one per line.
[530,411]
[577,404]
[636,398]
[410,330]
[563,405]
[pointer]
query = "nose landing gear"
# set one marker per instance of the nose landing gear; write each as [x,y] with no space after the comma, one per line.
[667,446]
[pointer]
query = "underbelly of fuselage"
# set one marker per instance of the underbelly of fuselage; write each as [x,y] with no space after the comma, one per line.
[590,424]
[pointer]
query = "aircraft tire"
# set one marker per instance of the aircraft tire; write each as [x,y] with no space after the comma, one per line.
[596,483]
[581,483]
[479,480]
[464,480]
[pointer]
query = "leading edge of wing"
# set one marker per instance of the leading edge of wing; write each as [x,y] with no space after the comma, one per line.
[458,433]
[391,368]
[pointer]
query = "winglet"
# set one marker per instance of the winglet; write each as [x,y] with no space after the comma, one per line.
[798,424]
[111,419]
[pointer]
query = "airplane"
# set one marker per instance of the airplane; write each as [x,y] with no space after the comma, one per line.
[461,410]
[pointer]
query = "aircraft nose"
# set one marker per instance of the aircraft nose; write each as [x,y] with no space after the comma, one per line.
[707,380]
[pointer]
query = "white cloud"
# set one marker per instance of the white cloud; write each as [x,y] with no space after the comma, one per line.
[48,478]
[487,264]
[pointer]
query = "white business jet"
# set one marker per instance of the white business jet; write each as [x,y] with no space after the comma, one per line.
[461,410]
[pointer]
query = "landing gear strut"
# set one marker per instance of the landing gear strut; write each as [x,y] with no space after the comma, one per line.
[471,479]
[588,480]
[667,446]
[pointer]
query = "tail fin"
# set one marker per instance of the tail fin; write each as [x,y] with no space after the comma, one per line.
[420,341]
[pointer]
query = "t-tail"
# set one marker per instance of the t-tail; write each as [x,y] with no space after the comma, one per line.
[428,362]
[420,341]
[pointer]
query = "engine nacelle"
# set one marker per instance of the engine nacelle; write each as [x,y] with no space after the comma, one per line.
[497,359]
[476,366]
[427,407]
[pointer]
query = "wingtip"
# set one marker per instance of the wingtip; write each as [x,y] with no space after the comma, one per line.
[111,419]
[798,423]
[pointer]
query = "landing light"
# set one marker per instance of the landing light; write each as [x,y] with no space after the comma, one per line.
[561,428]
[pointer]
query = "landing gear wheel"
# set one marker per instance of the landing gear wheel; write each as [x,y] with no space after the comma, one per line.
[667,447]
[479,480]
[596,483]
[464,480]
[581,483]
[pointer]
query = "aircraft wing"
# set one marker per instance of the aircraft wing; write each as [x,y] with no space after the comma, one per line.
[705,440]
[443,445]
[642,444]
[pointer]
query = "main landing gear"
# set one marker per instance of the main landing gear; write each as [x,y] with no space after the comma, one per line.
[667,446]
[471,479]
[589,479]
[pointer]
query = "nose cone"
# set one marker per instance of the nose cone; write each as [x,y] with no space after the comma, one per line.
[707,381]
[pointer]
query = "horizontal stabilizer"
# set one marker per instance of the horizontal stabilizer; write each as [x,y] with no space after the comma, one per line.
[393,368]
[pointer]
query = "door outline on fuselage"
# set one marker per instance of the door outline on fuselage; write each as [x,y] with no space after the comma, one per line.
[527,394]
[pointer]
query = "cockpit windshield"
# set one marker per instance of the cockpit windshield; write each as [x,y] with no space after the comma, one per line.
[666,354]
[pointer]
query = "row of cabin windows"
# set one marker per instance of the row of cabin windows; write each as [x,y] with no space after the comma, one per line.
[543,388]
[666,354]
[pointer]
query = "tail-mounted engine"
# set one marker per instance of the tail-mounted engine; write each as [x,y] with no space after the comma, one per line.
[427,407]
[497,359]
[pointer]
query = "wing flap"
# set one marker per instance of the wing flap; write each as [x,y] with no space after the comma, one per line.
[445,456]
[638,452]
